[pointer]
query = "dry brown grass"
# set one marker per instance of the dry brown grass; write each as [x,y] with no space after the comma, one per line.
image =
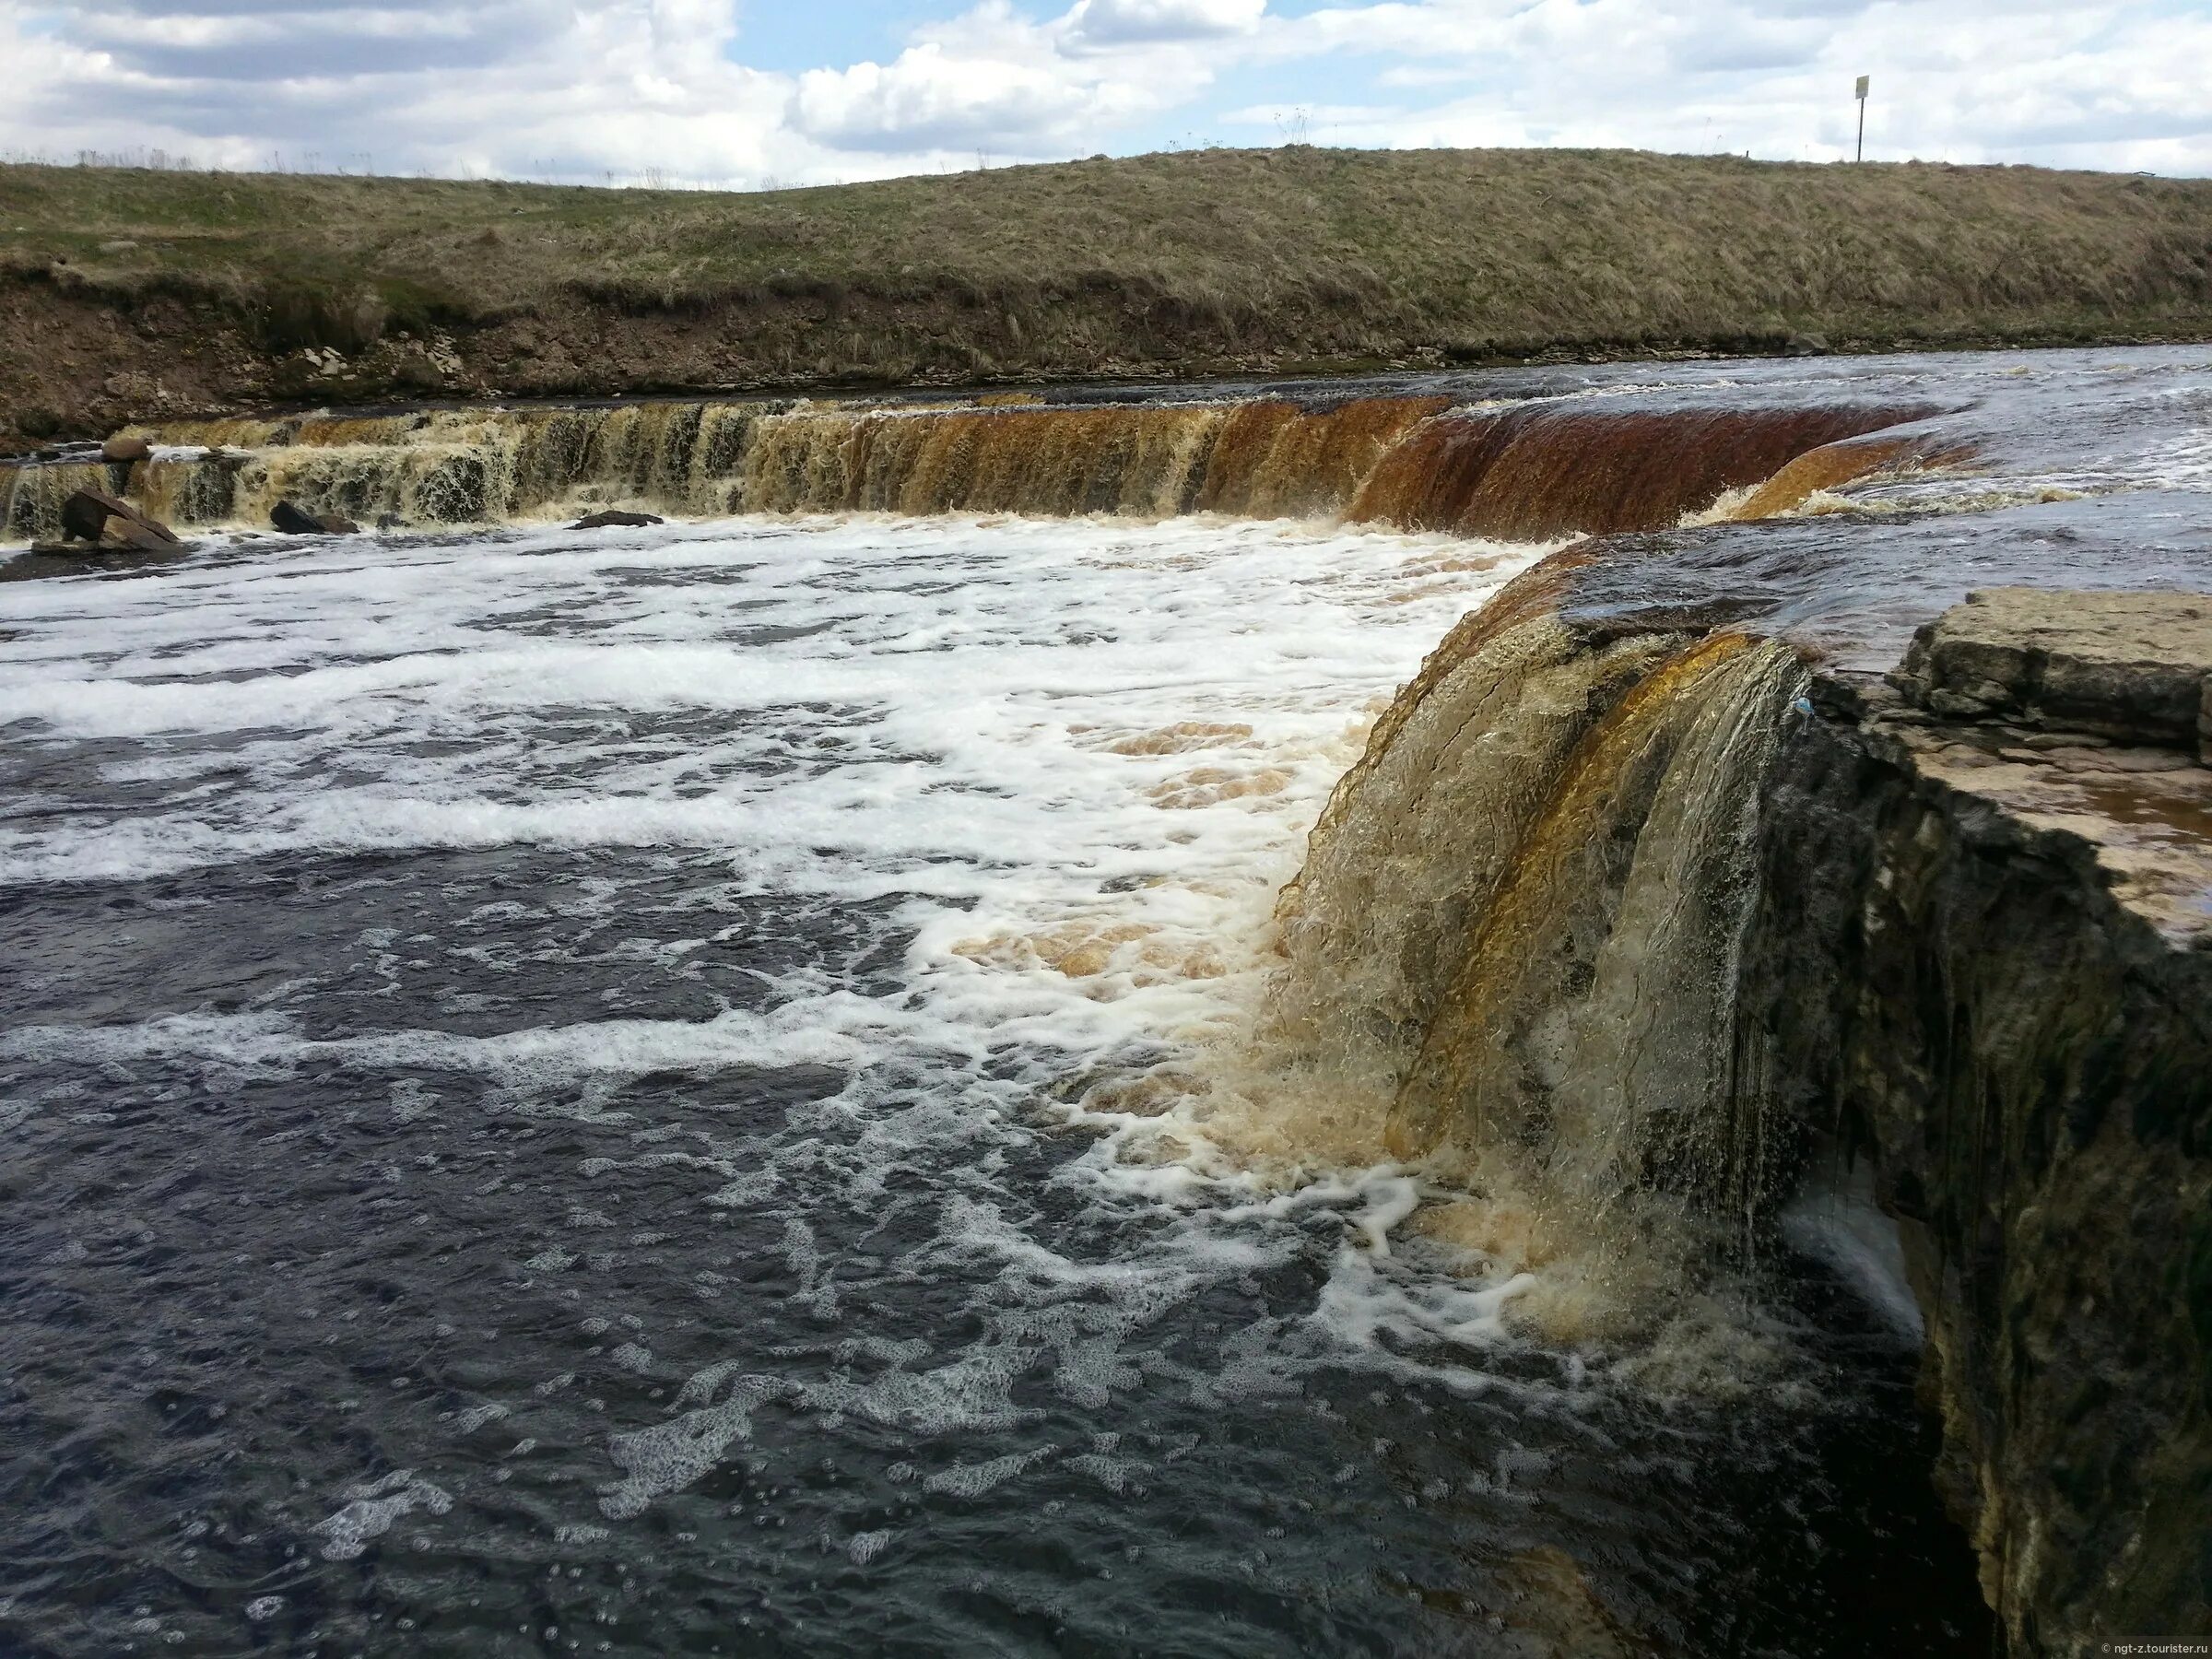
[1194,262]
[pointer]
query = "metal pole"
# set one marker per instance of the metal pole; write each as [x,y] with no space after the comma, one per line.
[1861,154]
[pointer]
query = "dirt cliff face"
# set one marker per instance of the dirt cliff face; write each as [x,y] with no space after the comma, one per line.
[1984,960]
[133,294]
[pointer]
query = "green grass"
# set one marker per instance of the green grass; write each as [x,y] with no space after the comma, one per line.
[1199,260]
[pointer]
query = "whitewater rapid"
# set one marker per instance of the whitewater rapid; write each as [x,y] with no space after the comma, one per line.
[1006,730]
[537,1053]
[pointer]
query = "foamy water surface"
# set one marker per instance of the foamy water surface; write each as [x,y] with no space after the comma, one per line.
[536,1120]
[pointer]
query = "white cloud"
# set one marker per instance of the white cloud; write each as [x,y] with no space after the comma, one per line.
[520,87]
[580,87]
[992,80]
[1110,23]
[2115,86]
[928,99]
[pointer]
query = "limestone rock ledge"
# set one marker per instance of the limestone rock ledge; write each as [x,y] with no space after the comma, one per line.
[1983,958]
[2133,666]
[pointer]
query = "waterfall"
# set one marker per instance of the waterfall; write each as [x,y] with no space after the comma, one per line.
[1276,460]
[1538,471]
[1514,949]
[1544,469]
[1514,939]
[1592,1017]
[1146,461]
[31,497]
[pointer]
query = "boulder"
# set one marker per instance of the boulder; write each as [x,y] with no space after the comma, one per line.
[293,521]
[1805,346]
[132,536]
[85,511]
[88,513]
[123,448]
[616,518]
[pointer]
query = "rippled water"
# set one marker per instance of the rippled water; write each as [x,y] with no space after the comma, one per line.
[535,1121]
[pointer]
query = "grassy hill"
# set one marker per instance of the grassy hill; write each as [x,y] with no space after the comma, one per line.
[121,287]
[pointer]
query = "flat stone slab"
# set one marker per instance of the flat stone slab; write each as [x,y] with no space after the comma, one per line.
[2145,812]
[2136,667]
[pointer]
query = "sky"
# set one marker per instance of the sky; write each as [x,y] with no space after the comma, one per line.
[761,93]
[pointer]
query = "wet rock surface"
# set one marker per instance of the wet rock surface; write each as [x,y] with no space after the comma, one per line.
[290,519]
[95,522]
[1978,962]
[2130,666]
[89,514]
[136,534]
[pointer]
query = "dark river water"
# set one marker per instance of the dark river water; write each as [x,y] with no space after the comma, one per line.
[535,1119]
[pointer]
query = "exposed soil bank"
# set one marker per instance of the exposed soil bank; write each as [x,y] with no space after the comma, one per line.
[133,296]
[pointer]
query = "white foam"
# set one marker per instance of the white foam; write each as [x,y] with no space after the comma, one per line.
[955,701]
[972,1480]
[373,1509]
[667,1457]
[837,1028]
[865,1546]
[1073,762]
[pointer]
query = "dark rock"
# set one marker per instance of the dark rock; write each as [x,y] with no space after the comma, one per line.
[85,511]
[616,518]
[88,513]
[134,536]
[292,520]
[121,450]
[1988,965]
[118,536]
[415,371]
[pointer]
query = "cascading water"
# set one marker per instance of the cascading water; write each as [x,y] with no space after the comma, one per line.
[528,1091]
[1410,461]
[1547,469]
[800,1081]
[1590,1015]
[31,497]
[1511,956]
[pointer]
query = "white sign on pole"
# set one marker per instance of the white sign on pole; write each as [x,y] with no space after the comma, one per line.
[1863,80]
